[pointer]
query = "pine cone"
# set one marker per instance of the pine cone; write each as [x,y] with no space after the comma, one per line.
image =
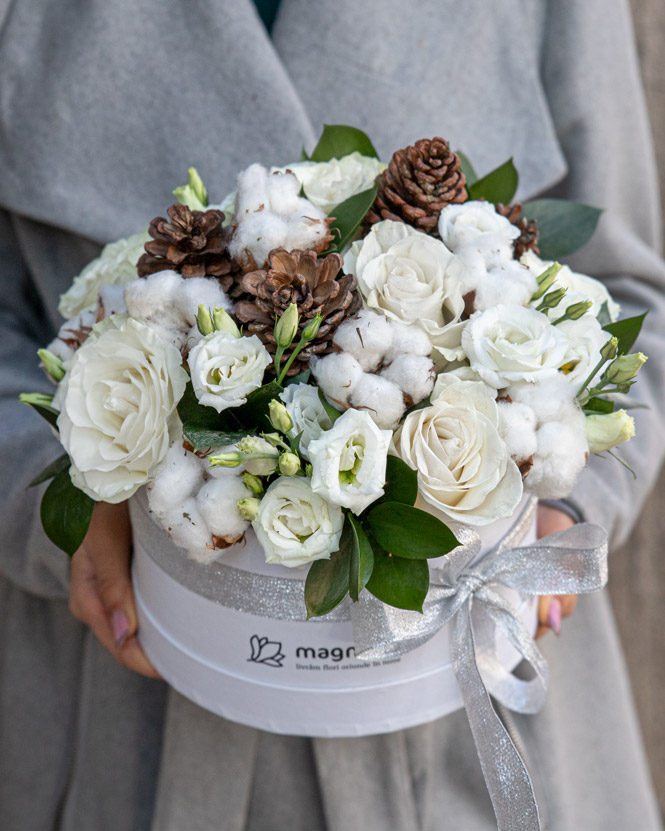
[315,286]
[528,238]
[192,242]
[419,181]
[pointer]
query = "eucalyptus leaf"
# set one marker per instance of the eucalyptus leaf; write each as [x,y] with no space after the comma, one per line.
[66,513]
[401,483]
[202,437]
[563,226]
[41,404]
[57,466]
[497,186]
[327,582]
[467,169]
[347,218]
[398,582]
[626,331]
[339,140]
[362,558]
[409,532]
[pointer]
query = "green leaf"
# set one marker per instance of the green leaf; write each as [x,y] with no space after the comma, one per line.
[339,140]
[303,155]
[193,413]
[327,582]
[301,378]
[599,405]
[348,216]
[498,186]
[66,513]
[362,558]
[254,412]
[603,316]
[202,437]
[60,464]
[626,331]
[41,403]
[398,582]
[401,483]
[467,169]
[331,412]
[563,226]
[409,532]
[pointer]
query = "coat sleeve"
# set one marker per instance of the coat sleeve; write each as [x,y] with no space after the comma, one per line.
[591,76]
[27,444]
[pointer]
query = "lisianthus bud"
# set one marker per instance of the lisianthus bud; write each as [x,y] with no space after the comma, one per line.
[223,322]
[52,364]
[253,483]
[249,508]
[204,321]
[311,330]
[279,416]
[606,430]
[289,464]
[287,326]
[546,279]
[275,440]
[258,455]
[625,368]
[231,459]
[551,300]
[194,193]
[609,349]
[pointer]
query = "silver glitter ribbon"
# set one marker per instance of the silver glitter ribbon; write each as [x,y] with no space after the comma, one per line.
[465,595]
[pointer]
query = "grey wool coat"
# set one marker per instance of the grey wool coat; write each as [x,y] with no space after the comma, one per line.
[103,106]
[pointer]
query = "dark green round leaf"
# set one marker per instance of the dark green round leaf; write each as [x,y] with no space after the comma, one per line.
[409,532]
[398,582]
[66,513]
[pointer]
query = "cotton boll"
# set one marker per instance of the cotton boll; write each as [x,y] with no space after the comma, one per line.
[518,429]
[367,337]
[283,190]
[112,300]
[408,339]
[188,529]
[306,231]
[493,250]
[251,194]
[194,291]
[413,374]
[561,454]
[338,375]
[73,333]
[217,502]
[382,399]
[547,400]
[177,478]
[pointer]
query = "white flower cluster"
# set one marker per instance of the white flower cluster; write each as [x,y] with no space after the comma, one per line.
[269,214]
[370,342]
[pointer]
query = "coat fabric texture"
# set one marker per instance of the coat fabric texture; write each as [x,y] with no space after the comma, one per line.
[103,106]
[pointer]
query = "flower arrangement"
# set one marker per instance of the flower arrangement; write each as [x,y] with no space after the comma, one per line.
[351,358]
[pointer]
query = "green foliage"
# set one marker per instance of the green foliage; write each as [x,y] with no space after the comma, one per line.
[598,405]
[563,226]
[398,582]
[327,582]
[409,532]
[467,169]
[202,437]
[66,513]
[401,483]
[41,404]
[626,331]
[339,140]
[60,464]
[348,216]
[362,558]
[497,186]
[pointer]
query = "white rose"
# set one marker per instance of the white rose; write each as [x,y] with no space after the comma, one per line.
[117,407]
[307,413]
[585,338]
[326,184]
[580,287]
[402,274]
[349,461]
[464,469]
[605,430]
[225,369]
[295,525]
[115,265]
[472,222]
[509,343]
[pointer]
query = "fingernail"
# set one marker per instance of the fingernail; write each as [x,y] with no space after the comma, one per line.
[120,625]
[554,616]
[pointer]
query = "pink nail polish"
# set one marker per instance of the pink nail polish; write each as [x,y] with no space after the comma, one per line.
[120,625]
[554,616]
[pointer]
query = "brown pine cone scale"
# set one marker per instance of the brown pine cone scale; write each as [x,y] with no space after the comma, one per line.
[528,238]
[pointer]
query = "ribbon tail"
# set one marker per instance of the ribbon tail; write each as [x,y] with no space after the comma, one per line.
[507,779]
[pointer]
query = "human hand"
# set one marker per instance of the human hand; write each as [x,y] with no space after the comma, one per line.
[100,587]
[551,610]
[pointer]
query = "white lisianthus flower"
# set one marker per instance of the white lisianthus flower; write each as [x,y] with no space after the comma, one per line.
[115,265]
[585,338]
[307,413]
[349,461]
[470,222]
[326,184]
[225,369]
[509,343]
[464,469]
[402,274]
[296,526]
[117,407]
[580,287]
[606,430]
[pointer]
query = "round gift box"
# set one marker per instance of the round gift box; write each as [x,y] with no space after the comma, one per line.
[233,637]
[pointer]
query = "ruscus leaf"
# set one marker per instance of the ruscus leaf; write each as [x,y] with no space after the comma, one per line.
[362,558]
[348,216]
[626,331]
[66,513]
[327,582]
[401,483]
[467,169]
[409,532]
[60,464]
[398,582]
[339,140]
[497,186]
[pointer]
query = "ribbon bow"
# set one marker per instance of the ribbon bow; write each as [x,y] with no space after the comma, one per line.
[573,561]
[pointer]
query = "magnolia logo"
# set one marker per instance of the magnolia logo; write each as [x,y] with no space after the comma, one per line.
[266,652]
